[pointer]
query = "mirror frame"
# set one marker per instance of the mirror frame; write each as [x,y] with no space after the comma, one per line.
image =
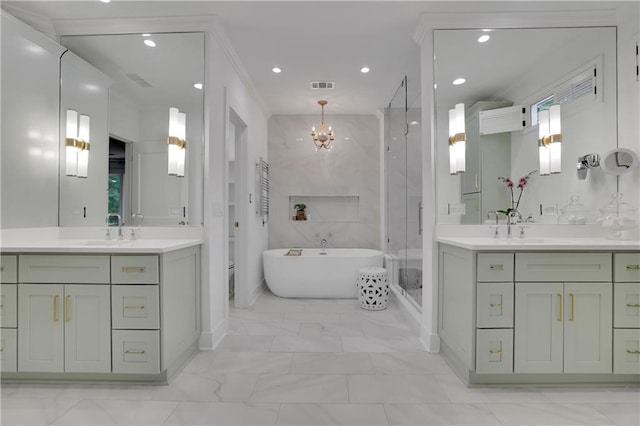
[424,37]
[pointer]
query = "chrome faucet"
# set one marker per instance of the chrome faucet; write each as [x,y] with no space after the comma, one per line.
[496,233]
[323,244]
[110,215]
[133,223]
[512,214]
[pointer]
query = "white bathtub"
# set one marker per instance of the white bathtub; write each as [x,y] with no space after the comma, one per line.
[330,275]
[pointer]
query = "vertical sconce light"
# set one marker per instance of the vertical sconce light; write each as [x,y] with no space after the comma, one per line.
[176,142]
[457,140]
[77,144]
[550,140]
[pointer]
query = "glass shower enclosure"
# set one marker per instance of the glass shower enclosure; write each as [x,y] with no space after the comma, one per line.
[403,192]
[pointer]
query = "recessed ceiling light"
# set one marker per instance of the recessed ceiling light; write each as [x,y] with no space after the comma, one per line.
[364,70]
[347,138]
[483,38]
[486,30]
[276,70]
[299,139]
[197,86]
[414,123]
[105,1]
[146,35]
[459,81]
[150,43]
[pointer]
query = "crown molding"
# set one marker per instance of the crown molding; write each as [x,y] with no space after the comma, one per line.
[41,23]
[551,19]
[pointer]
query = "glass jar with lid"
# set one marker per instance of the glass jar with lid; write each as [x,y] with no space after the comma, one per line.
[574,213]
[618,216]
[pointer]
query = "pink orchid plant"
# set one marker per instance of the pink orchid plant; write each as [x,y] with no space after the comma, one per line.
[522,182]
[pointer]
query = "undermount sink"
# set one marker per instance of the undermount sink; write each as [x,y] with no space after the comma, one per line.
[522,240]
[105,242]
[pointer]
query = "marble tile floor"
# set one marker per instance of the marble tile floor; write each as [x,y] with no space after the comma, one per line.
[316,362]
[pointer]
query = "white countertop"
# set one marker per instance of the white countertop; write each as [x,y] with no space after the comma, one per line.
[97,246]
[537,244]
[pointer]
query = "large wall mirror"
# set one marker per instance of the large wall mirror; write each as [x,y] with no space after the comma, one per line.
[148,73]
[530,69]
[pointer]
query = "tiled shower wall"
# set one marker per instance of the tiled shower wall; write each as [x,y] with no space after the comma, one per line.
[351,168]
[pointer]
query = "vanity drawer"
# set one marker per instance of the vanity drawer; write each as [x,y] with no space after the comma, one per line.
[64,269]
[135,307]
[561,267]
[626,267]
[134,270]
[626,305]
[9,305]
[136,351]
[8,268]
[626,351]
[494,305]
[494,351]
[495,267]
[8,349]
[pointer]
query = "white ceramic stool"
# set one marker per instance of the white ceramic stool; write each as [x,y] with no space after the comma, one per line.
[373,288]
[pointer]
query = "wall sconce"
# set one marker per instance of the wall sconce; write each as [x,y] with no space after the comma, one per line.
[457,140]
[176,142]
[77,144]
[550,140]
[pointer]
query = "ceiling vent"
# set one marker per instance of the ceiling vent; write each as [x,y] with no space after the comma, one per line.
[139,80]
[322,85]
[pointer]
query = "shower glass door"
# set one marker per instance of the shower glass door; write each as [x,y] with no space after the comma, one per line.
[403,165]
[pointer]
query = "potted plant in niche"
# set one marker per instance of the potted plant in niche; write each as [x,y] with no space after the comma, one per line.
[300,211]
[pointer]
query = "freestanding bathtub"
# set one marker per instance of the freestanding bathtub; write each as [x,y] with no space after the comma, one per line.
[312,274]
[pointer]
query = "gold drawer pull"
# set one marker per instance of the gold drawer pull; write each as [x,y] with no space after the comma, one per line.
[633,352]
[134,352]
[66,308]
[496,305]
[499,267]
[495,351]
[559,307]
[133,307]
[55,308]
[631,305]
[573,307]
[134,269]
[633,267]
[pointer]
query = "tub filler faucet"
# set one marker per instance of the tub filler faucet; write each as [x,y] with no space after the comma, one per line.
[323,244]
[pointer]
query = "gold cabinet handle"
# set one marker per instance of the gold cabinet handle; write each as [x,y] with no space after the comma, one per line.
[139,269]
[496,305]
[55,308]
[133,307]
[633,305]
[496,267]
[559,307]
[633,267]
[633,352]
[475,179]
[573,307]
[134,352]
[495,351]
[66,308]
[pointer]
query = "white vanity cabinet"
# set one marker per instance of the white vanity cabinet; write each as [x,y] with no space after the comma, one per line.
[563,326]
[626,313]
[517,316]
[107,317]
[64,327]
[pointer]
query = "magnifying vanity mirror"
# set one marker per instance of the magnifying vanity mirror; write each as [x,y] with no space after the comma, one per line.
[144,75]
[511,75]
[619,161]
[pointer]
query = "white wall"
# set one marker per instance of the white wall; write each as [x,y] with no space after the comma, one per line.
[351,169]
[225,89]
[30,81]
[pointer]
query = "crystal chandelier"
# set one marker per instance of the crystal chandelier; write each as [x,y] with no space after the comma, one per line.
[323,138]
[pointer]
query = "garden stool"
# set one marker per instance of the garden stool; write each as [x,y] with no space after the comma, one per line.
[373,288]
